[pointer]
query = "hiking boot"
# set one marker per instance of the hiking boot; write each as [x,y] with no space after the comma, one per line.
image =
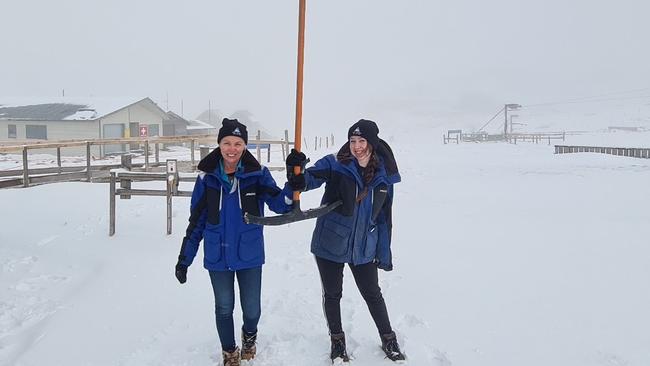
[248,347]
[231,358]
[338,347]
[390,347]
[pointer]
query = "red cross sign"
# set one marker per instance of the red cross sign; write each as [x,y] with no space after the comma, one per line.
[143,131]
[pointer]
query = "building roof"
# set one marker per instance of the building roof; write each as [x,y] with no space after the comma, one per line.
[60,109]
[195,124]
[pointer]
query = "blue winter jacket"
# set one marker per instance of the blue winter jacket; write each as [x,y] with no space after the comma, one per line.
[356,233]
[217,211]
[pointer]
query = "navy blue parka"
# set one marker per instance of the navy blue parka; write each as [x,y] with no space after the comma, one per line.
[355,232]
[217,211]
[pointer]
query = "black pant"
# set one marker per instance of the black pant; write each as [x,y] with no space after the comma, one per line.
[365,275]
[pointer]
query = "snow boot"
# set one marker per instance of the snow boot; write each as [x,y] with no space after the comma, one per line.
[248,347]
[338,347]
[391,348]
[231,358]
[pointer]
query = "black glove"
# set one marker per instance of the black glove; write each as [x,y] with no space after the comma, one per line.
[181,273]
[296,159]
[297,182]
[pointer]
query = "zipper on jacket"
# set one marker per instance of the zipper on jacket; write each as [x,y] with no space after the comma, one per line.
[356,221]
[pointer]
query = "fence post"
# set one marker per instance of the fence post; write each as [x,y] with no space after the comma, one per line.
[157,149]
[257,146]
[172,181]
[88,172]
[111,205]
[146,155]
[285,146]
[204,151]
[58,158]
[126,160]
[25,168]
[315,143]
[192,152]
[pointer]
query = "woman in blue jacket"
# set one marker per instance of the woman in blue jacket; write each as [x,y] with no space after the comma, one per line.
[358,232]
[231,182]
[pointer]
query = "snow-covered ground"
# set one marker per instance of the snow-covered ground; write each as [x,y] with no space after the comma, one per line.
[504,255]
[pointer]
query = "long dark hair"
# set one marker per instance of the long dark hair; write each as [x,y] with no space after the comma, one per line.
[345,156]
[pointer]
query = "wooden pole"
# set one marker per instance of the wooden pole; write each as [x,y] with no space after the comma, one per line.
[25,168]
[58,158]
[169,206]
[146,155]
[88,161]
[111,227]
[285,146]
[157,149]
[192,152]
[257,145]
[299,84]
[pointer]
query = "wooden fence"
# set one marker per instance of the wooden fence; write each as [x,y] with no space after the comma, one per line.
[619,151]
[536,137]
[171,176]
[27,176]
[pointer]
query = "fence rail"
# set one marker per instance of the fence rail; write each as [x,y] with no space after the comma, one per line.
[171,176]
[633,152]
[26,176]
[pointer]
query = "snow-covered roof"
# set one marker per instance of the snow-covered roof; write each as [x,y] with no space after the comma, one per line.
[62,108]
[195,124]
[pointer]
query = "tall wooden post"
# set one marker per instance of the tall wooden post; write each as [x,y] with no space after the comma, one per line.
[192,153]
[25,168]
[146,155]
[111,205]
[257,146]
[58,158]
[88,172]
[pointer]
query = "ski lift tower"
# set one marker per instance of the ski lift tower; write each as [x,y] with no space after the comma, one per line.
[506,108]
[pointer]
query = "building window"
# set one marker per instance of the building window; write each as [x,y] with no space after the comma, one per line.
[154,130]
[12,132]
[36,132]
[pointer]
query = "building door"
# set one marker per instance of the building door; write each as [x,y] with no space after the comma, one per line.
[113,131]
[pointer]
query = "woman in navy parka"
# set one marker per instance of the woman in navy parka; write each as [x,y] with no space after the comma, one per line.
[231,183]
[358,232]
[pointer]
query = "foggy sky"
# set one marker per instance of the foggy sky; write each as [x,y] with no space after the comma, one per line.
[380,59]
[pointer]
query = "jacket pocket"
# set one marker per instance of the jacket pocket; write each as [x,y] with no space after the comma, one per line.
[251,245]
[334,237]
[372,237]
[212,246]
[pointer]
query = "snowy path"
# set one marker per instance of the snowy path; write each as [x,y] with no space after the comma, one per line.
[504,255]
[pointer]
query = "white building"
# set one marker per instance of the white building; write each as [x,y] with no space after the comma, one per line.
[71,119]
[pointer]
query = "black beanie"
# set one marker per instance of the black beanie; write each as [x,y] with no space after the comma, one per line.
[232,127]
[366,129]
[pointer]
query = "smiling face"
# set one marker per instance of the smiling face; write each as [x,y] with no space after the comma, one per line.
[232,148]
[360,149]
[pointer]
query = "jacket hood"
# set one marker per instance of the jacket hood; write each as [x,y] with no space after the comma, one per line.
[210,163]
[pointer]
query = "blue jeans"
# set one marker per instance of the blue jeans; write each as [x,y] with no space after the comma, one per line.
[250,288]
